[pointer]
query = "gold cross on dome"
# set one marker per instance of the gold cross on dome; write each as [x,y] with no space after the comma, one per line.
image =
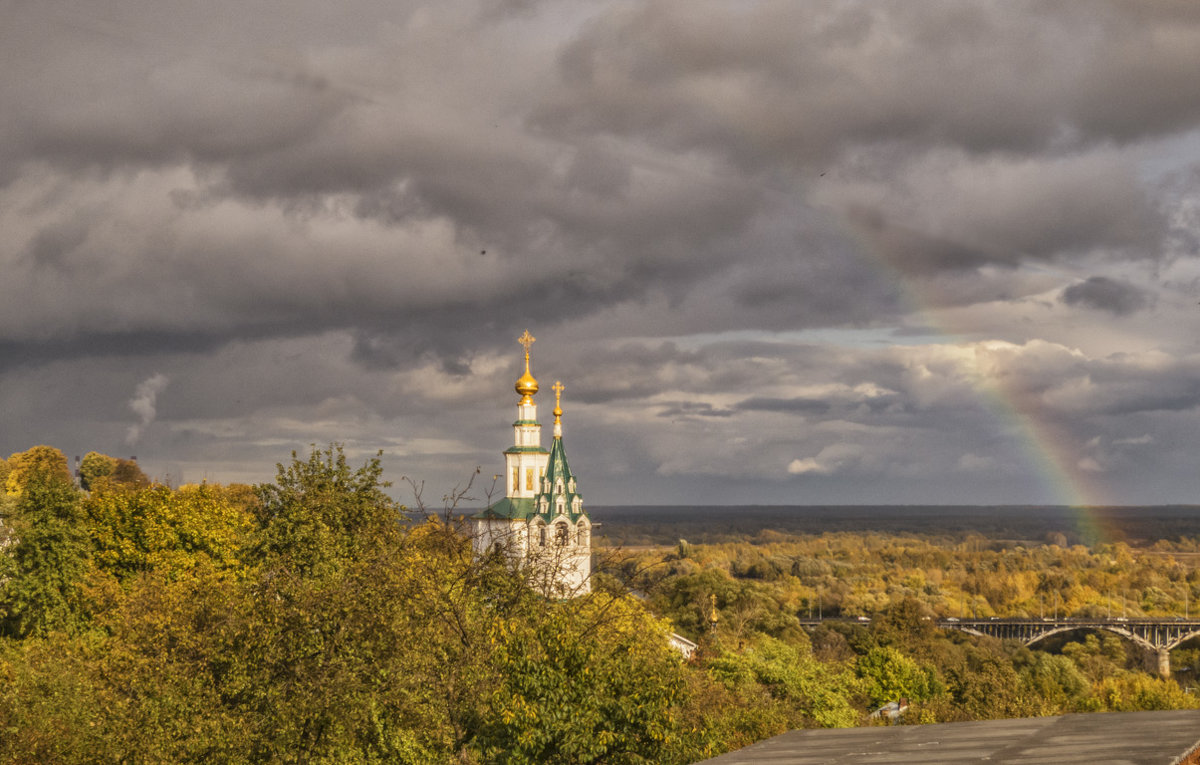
[558,388]
[526,340]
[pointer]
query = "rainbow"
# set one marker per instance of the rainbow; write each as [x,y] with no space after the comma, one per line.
[1049,450]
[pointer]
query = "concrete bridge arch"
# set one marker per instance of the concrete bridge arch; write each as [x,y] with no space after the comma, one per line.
[1154,636]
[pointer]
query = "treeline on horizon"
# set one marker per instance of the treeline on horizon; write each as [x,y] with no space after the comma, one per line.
[1089,526]
[313,619]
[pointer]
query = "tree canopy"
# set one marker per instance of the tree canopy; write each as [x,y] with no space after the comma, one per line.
[311,619]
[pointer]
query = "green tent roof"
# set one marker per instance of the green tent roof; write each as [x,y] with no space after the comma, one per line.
[558,474]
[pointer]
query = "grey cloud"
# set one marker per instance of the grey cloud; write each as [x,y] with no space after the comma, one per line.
[675,410]
[786,405]
[803,81]
[331,222]
[915,252]
[946,211]
[1104,294]
[52,246]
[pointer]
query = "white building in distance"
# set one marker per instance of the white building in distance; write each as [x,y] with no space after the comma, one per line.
[540,524]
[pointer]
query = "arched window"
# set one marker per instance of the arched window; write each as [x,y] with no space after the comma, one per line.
[581,534]
[562,534]
[542,536]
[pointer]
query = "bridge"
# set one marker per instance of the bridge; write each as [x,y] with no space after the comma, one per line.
[1156,635]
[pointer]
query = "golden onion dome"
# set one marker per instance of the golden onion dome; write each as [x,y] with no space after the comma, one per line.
[527,386]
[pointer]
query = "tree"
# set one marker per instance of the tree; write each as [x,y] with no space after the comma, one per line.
[1054,680]
[50,706]
[590,680]
[42,575]
[890,676]
[1131,691]
[93,466]
[168,531]
[813,693]
[319,514]
[44,461]
[128,473]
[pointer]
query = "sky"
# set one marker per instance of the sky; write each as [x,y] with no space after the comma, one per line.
[776,252]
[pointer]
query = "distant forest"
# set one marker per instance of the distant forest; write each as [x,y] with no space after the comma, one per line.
[314,619]
[666,524]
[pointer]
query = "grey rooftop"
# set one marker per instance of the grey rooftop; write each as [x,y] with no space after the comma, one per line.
[1113,738]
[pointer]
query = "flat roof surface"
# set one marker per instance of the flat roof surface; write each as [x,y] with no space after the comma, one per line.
[1113,738]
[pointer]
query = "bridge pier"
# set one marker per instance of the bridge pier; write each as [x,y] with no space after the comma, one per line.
[1164,662]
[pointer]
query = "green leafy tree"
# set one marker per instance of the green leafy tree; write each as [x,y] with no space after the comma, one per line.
[168,531]
[1131,691]
[39,461]
[985,687]
[890,676]
[584,681]
[319,514]
[41,577]
[51,706]
[1055,681]
[93,466]
[815,694]
[1098,656]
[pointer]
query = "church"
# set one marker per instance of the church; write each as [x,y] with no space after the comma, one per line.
[540,524]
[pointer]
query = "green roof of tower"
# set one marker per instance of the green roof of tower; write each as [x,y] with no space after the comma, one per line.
[510,508]
[558,483]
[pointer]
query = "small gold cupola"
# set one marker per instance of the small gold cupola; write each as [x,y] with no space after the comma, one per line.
[527,386]
[558,412]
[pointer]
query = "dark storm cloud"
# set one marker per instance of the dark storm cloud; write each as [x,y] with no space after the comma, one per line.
[799,82]
[949,212]
[1106,294]
[332,222]
[636,371]
[786,405]
[915,252]
[351,141]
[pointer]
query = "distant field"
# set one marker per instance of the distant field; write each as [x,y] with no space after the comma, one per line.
[664,524]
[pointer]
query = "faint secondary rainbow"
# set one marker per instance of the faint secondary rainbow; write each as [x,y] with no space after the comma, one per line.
[1049,450]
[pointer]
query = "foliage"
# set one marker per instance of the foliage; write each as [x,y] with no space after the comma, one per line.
[890,675]
[49,710]
[41,574]
[379,644]
[319,514]
[128,473]
[157,529]
[1055,680]
[95,465]
[810,693]
[1132,691]
[307,620]
[37,462]
[585,681]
